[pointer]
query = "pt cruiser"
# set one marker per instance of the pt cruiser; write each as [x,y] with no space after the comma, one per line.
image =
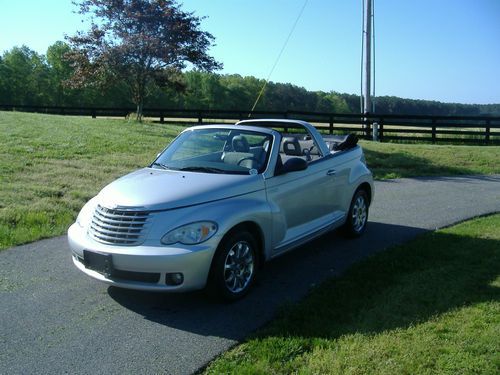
[218,202]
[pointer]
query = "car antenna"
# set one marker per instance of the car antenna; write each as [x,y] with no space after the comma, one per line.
[279,56]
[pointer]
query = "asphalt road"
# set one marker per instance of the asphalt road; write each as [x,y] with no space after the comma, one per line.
[55,319]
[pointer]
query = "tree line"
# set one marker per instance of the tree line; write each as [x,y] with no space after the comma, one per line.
[30,78]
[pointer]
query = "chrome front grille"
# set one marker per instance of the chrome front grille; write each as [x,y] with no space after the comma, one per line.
[119,226]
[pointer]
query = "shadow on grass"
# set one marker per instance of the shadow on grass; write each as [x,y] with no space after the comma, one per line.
[399,164]
[398,289]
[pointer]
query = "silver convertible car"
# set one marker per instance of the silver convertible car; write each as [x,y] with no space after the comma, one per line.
[218,202]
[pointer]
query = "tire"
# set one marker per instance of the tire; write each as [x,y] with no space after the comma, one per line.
[357,217]
[234,267]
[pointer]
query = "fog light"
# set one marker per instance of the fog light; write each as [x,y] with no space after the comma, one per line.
[174,278]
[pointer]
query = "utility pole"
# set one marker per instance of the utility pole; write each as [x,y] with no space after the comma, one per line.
[367,63]
[367,52]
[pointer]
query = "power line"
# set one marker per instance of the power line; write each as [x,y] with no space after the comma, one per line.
[279,56]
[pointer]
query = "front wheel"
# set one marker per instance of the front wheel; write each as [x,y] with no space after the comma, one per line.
[357,216]
[234,266]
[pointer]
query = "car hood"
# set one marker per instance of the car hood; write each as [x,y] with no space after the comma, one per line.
[156,189]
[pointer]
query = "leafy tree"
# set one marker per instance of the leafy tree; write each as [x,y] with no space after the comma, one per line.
[25,77]
[140,42]
[204,90]
[4,87]
[331,102]
[489,109]
[240,92]
[60,71]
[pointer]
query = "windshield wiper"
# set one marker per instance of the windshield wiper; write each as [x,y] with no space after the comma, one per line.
[163,166]
[203,169]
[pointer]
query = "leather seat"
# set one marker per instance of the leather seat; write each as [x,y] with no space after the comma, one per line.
[241,154]
[291,146]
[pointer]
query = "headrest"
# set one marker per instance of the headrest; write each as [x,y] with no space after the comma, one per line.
[240,144]
[291,146]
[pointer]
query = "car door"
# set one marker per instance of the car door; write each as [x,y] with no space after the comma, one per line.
[303,202]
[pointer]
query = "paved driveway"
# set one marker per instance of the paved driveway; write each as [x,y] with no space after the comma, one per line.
[54,319]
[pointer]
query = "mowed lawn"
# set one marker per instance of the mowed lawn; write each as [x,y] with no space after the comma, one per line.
[431,306]
[51,165]
[394,160]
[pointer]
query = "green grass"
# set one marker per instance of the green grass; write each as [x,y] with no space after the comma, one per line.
[393,160]
[431,306]
[51,165]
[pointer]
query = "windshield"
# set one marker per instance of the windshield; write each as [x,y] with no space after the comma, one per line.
[217,151]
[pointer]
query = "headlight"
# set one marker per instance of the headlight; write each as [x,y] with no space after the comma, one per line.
[190,234]
[86,213]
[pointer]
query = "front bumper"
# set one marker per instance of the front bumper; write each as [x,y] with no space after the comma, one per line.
[145,267]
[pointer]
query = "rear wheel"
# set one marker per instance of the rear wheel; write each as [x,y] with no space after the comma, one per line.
[357,216]
[234,266]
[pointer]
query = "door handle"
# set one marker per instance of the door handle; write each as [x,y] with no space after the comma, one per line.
[331,172]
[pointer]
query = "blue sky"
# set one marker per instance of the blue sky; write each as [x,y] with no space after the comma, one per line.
[446,50]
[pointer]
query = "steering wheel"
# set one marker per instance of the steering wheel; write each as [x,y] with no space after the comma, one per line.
[247,158]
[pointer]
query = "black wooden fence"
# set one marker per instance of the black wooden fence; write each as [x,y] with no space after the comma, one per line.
[445,129]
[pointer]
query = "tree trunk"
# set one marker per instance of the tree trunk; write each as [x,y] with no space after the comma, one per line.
[141,90]
[138,115]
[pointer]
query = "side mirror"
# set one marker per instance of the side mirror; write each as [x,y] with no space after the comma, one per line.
[293,165]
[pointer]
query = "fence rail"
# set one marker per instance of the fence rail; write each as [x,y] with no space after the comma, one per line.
[423,128]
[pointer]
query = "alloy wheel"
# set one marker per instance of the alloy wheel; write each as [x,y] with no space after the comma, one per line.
[239,267]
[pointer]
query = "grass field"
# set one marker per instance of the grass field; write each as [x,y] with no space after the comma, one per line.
[51,165]
[431,306]
[394,160]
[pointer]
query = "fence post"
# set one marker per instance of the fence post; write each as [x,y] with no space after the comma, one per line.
[367,128]
[433,130]
[381,129]
[200,119]
[487,135]
[330,131]
[162,117]
[375,136]
[93,113]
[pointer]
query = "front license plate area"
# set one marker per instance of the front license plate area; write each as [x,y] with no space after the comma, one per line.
[102,263]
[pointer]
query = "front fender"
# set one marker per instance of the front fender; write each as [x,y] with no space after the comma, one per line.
[227,213]
[231,212]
